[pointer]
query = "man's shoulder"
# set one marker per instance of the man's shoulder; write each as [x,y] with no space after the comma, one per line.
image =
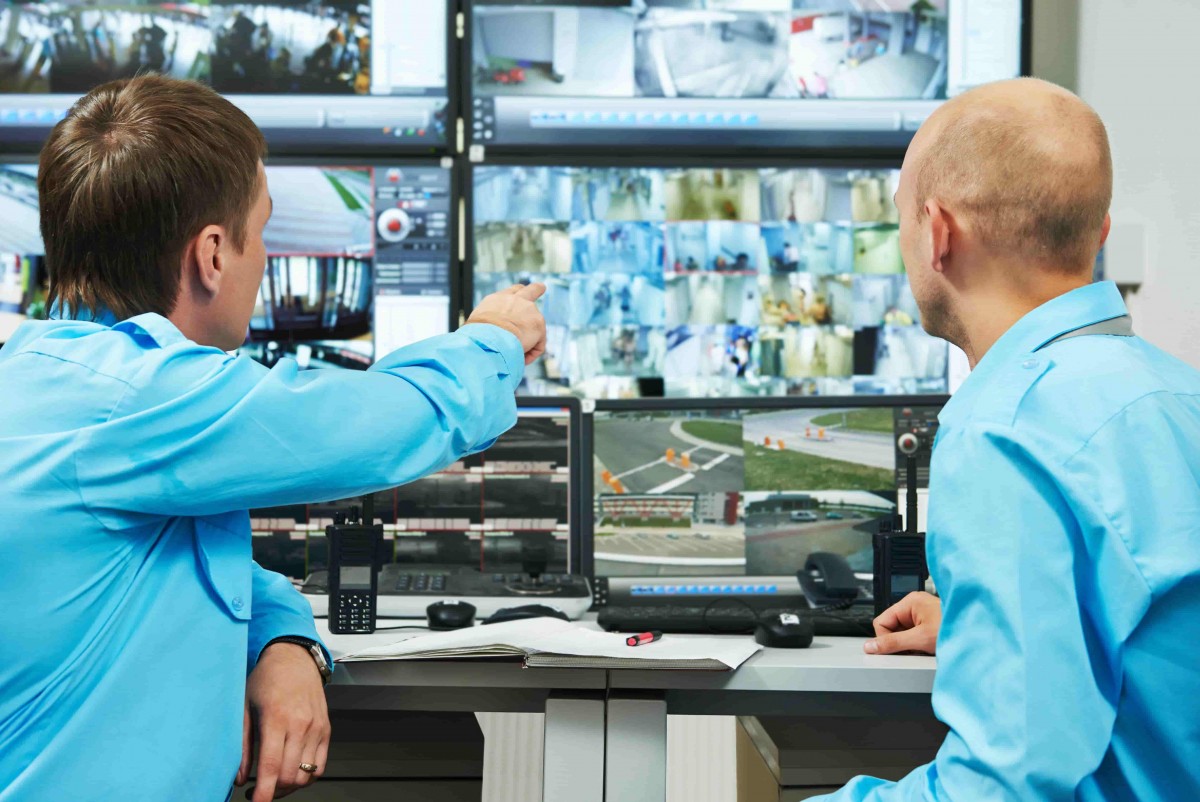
[126,354]
[1063,394]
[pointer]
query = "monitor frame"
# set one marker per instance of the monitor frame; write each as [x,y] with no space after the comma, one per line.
[579,545]
[715,404]
[809,145]
[29,140]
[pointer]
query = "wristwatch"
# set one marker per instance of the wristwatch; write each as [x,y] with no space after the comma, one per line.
[314,648]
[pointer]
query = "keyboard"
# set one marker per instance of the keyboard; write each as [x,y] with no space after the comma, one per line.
[727,619]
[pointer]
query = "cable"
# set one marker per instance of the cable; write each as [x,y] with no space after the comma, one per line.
[410,626]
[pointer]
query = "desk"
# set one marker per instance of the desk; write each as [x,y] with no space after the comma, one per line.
[573,701]
[605,735]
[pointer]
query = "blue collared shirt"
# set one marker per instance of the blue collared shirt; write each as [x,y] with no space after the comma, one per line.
[1064,538]
[132,611]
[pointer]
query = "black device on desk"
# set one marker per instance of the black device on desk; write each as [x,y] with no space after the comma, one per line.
[705,509]
[353,581]
[900,566]
[496,529]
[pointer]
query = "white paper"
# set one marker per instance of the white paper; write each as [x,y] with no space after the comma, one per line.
[552,636]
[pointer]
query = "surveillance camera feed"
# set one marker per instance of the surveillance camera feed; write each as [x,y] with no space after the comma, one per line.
[749,492]
[719,282]
[705,72]
[358,264]
[23,279]
[498,511]
[375,72]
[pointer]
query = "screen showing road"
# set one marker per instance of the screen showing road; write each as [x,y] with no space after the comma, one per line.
[742,491]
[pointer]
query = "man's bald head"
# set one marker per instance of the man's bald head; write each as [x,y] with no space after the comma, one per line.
[1024,164]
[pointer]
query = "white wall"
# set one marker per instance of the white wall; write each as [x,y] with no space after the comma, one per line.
[1136,62]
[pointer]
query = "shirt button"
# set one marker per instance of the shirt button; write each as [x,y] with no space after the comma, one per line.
[236,603]
[1029,364]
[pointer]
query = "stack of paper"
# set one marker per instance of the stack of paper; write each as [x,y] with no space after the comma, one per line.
[551,643]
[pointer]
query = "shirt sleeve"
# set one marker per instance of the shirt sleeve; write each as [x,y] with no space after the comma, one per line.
[1017,656]
[277,610]
[199,432]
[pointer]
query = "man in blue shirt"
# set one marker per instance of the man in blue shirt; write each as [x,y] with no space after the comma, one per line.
[1064,526]
[139,651]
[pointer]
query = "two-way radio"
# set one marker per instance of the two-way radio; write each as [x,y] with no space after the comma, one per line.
[900,566]
[354,570]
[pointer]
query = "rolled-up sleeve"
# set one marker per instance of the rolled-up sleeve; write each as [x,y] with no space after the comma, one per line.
[200,432]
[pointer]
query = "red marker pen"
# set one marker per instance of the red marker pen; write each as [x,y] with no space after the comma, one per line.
[643,639]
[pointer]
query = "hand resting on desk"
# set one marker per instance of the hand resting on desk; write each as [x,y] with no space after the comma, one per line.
[910,625]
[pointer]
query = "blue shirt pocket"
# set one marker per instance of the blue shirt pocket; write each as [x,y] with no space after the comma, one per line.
[223,551]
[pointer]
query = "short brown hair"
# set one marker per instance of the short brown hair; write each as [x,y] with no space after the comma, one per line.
[1035,184]
[137,169]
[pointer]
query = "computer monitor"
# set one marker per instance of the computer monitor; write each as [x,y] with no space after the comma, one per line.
[492,511]
[359,259]
[796,75]
[22,260]
[707,281]
[369,73]
[359,262]
[750,488]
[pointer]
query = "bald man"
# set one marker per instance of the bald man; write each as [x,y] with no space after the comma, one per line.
[1064,528]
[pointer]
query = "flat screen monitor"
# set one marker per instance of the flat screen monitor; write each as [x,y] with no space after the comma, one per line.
[732,489]
[330,74]
[359,262]
[492,511]
[22,261]
[701,281]
[798,75]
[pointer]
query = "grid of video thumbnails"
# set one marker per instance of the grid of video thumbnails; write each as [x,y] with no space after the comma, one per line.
[500,511]
[712,282]
[741,492]
[778,49]
[358,264]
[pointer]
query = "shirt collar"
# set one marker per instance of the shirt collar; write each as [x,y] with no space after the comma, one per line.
[1080,307]
[155,327]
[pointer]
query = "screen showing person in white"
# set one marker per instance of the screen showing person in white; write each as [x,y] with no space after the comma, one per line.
[143,650]
[1065,484]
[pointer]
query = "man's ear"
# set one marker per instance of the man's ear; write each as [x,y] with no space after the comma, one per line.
[1105,229]
[940,227]
[208,252]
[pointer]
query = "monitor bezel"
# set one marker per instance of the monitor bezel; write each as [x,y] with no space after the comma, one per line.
[579,546]
[748,150]
[704,405]
[454,111]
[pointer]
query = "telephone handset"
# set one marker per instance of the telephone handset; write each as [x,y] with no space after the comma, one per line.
[827,580]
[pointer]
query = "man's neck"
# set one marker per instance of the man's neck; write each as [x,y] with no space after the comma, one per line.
[986,315]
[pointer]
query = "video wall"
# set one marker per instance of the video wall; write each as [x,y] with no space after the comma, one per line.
[741,492]
[830,73]
[372,73]
[732,281]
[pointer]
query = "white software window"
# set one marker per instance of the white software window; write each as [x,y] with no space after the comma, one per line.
[402,320]
[408,41]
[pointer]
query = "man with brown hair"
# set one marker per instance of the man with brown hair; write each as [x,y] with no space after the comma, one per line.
[1064,513]
[143,651]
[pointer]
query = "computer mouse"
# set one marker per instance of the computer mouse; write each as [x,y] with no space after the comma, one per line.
[784,631]
[526,611]
[450,614]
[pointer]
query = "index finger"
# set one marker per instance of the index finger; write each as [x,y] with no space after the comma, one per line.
[896,617]
[270,762]
[532,292]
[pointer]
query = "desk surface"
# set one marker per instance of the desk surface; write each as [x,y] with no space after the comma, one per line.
[830,665]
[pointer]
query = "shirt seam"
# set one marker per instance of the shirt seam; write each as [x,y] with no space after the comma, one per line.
[77,364]
[1103,512]
[78,446]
